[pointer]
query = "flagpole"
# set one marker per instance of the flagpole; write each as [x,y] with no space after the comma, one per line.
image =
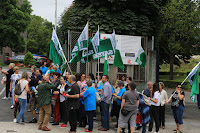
[98,59]
[87,65]
[67,63]
[55,13]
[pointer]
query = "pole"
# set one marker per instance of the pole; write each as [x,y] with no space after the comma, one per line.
[98,60]
[65,48]
[87,65]
[67,63]
[55,13]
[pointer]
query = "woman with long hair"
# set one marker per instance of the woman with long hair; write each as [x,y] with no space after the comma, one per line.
[155,107]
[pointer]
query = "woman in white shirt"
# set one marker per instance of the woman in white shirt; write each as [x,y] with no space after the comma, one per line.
[155,107]
[163,100]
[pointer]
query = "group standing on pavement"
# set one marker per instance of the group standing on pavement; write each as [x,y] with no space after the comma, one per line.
[75,99]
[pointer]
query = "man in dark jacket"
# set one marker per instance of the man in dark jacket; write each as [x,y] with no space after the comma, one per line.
[44,101]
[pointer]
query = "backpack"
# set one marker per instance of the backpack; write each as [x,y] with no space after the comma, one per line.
[18,90]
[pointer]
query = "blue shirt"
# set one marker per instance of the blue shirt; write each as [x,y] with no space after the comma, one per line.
[68,83]
[44,69]
[58,70]
[121,92]
[90,99]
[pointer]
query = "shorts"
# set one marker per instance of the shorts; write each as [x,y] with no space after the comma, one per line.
[178,113]
[33,103]
[131,118]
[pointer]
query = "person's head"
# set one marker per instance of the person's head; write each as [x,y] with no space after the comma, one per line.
[149,85]
[33,68]
[89,82]
[51,72]
[105,78]
[120,84]
[179,86]
[37,72]
[78,77]
[116,83]
[56,75]
[132,85]
[25,75]
[83,76]
[40,72]
[63,80]
[72,79]
[16,69]
[43,63]
[46,78]
[91,76]
[11,66]
[123,78]
[161,86]
[55,68]
[128,79]
[67,75]
[98,77]
[50,67]
[155,87]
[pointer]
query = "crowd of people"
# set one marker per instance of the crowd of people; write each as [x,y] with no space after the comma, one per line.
[74,99]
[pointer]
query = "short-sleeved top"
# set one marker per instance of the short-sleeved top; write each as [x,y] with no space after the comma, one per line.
[175,100]
[58,70]
[156,96]
[23,84]
[10,72]
[120,93]
[131,97]
[44,69]
[15,77]
[73,103]
[147,92]
[90,99]
[62,89]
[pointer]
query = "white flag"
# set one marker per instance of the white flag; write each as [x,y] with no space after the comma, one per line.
[82,40]
[95,41]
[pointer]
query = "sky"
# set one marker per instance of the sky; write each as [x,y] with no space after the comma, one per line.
[46,8]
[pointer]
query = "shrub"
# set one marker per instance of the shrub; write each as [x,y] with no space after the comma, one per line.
[28,59]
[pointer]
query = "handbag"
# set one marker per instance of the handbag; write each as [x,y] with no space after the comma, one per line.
[146,100]
[98,98]
[124,112]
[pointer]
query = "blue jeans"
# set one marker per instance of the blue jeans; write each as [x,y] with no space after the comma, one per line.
[22,103]
[178,114]
[144,128]
[12,96]
[105,114]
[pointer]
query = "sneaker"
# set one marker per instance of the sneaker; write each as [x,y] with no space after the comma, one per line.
[29,110]
[9,98]
[11,107]
[5,98]
[86,130]
[87,126]
[63,125]
[33,121]
[15,120]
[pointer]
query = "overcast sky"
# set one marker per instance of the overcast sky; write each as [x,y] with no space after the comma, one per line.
[46,8]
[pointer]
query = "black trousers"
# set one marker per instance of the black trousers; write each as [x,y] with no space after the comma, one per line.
[162,115]
[8,88]
[154,114]
[73,119]
[90,116]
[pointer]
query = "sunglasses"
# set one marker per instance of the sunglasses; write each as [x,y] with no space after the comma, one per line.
[179,87]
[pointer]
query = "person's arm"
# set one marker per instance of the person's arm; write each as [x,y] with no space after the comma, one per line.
[73,96]
[4,72]
[118,97]
[27,88]
[138,102]
[166,97]
[180,96]
[122,103]
[11,85]
[155,101]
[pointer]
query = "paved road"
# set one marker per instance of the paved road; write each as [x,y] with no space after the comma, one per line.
[191,119]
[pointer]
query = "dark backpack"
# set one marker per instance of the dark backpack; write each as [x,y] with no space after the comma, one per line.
[18,90]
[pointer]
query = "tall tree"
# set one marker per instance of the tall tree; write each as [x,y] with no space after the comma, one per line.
[39,35]
[14,20]
[179,32]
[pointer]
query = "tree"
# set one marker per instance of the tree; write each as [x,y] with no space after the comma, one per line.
[28,59]
[179,31]
[14,20]
[39,35]
[130,17]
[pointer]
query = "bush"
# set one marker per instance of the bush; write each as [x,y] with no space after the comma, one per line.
[28,59]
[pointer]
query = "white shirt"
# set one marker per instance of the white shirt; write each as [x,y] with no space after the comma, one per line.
[62,98]
[156,96]
[163,97]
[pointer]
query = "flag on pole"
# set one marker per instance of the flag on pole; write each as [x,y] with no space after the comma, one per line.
[82,40]
[141,57]
[105,66]
[95,41]
[56,52]
[118,62]
[193,78]
[76,54]
[113,40]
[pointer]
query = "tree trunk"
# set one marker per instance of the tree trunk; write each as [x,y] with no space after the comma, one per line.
[171,67]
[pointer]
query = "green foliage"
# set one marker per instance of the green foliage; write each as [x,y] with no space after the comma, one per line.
[28,59]
[14,20]
[130,17]
[39,35]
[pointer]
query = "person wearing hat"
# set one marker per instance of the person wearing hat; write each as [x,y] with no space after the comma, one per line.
[51,74]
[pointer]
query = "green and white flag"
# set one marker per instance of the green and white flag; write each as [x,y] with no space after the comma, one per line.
[105,66]
[56,52]
[113,40]
[118,62]
[82,40]
[141,58]
[76,55]
[193,78]
[95,41]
